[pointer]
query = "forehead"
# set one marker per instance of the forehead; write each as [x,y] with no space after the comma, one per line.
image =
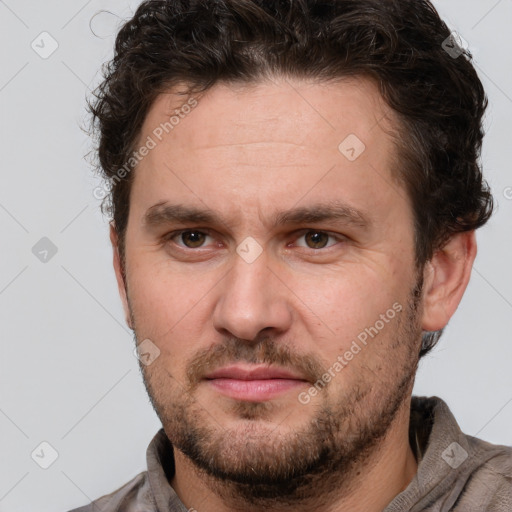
[286,110]
[257,142]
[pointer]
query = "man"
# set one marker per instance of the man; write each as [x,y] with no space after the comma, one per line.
[295,193]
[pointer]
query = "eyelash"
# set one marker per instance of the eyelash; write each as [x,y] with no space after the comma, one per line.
[170,236]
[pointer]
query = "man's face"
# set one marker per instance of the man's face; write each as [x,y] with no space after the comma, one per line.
[264,287]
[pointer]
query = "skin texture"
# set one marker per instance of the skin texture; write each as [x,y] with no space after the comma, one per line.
[247,153]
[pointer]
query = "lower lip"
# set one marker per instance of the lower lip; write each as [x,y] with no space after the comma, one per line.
[255,390]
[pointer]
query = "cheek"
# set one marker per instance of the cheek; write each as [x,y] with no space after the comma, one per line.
[166,305]
[344,305]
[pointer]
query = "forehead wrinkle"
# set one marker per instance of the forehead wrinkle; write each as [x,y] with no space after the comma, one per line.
[251,142]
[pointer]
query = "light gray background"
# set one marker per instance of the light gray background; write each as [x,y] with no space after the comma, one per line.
[67,374]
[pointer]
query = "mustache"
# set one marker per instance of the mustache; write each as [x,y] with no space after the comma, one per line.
[266,351]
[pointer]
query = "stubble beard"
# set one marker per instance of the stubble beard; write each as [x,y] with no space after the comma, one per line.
[254,465]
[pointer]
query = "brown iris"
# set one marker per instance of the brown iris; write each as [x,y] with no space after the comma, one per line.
[196,238]
[318,239]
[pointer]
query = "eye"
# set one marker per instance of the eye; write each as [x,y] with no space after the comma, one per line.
[195,239]
[316,239]
[191,239]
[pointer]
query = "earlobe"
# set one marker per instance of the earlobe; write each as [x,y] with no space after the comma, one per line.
[118,268]
[446,277]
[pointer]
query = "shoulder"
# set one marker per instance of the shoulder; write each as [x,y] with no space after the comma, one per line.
[489,485]
[133,496]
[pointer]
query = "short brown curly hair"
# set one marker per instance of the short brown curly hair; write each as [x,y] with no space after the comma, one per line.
[400,44]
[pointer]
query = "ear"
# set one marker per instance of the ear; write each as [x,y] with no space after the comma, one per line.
[118,268]
[446,277]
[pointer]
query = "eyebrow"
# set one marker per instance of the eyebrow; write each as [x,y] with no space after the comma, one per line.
[166,213]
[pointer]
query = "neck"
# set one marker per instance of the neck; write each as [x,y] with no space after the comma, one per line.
[370,487]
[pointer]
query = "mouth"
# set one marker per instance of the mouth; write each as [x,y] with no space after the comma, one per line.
[254,383]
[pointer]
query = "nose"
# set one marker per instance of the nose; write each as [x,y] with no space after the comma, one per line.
[252,298]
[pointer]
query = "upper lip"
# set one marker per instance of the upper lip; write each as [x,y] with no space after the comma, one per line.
[253,373]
